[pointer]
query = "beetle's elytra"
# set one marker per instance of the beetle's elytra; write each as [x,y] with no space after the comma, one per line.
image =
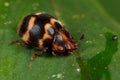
[44,32]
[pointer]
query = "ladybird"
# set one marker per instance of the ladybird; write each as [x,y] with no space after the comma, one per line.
[45,33]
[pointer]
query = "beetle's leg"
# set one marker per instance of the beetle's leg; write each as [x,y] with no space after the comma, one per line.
[18,42]
[37,53]
[23,44]
[15,42]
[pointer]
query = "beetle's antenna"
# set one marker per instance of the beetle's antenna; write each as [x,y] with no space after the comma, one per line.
[81,38]
[77,43]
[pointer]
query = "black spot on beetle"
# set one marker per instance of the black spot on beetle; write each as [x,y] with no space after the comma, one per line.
[24,25]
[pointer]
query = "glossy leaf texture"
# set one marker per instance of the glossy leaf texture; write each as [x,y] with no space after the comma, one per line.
[97,56]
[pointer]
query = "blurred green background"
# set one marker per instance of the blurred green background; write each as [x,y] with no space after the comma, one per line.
[112,8]
[97,56]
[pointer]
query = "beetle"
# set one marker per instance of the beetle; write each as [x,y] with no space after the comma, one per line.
[45,32]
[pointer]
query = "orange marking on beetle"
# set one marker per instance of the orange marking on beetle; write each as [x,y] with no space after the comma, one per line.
[52,21]
[56,47]
[30,25]
[40,43]
[45,36]
[38,13]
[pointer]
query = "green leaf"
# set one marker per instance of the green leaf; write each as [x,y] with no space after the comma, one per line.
[97,56]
